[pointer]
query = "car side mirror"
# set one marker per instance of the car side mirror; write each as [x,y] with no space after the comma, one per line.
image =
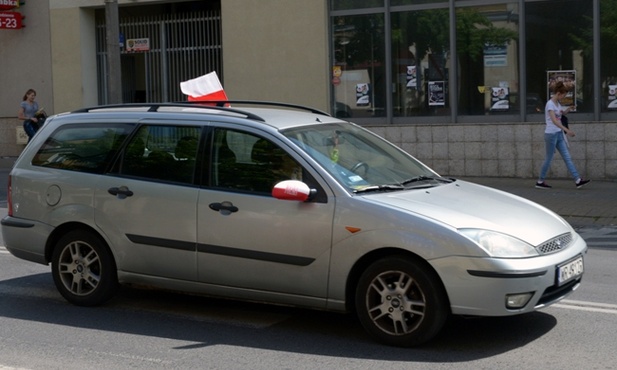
[293,190]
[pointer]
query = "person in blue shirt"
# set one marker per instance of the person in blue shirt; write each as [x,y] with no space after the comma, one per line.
[28,110]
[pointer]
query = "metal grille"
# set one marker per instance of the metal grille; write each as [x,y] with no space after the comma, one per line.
[556,244]
[182,46]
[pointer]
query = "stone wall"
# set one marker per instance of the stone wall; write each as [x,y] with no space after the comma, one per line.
[10,128]
[505,149]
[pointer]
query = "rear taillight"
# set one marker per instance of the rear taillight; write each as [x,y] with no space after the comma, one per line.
[9,198]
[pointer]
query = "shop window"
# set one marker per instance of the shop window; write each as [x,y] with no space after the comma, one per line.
[358,75]
[608,55]
[559,44]
[488,63]
[420,49]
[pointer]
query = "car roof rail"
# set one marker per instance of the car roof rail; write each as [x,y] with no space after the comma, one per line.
[154,107]
[219,105]
[223,103]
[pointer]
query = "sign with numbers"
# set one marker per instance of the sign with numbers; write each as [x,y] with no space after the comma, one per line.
[11,20]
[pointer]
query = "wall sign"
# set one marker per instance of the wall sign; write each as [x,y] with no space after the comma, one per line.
[9,4]
[11,20]
[138,44]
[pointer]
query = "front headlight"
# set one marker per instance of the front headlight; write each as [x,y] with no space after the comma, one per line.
[500,245]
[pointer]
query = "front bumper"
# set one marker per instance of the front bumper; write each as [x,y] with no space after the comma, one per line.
[479,286]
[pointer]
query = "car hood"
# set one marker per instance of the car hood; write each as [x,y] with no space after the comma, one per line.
[462,204]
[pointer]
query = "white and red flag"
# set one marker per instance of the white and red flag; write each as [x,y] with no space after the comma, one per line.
[204,88]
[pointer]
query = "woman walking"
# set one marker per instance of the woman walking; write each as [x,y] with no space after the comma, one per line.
[28,110]
[555,139]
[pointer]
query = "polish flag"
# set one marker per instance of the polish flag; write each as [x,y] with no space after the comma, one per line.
[204,88]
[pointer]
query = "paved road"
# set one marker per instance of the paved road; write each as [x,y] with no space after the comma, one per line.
[148,329]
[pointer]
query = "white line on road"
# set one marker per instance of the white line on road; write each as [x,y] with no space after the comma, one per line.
[587,306]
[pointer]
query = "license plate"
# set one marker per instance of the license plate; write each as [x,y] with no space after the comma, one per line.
[570,270]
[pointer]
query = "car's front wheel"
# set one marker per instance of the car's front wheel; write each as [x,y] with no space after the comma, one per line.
[401,302]
[83,269]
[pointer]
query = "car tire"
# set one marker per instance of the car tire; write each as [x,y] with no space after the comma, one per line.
[401,302]
[83,269]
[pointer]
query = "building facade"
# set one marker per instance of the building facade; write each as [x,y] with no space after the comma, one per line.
[460,84]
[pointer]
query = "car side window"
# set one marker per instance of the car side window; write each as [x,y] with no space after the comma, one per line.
[166,153]
[82,148]
[246,162]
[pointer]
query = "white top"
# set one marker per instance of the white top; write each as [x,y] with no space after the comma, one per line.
[557,108]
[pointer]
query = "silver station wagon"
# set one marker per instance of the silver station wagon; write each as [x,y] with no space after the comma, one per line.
[279,204]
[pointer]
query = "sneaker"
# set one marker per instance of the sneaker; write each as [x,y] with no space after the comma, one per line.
[543,185]
[581,182]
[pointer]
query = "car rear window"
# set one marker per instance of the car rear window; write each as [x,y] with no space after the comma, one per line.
[82,148]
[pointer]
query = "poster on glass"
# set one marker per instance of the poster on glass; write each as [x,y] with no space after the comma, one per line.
[568,77]
[500,99]
[436,93]
[363,97]
[612,97]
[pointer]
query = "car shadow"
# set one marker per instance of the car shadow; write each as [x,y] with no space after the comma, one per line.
[208,321]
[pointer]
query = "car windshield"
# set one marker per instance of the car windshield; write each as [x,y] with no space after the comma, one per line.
[361,161]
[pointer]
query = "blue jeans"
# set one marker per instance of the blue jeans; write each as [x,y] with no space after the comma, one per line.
[31,128]
[557,141]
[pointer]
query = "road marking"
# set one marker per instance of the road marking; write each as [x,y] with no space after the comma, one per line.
[587,306]
[604,237]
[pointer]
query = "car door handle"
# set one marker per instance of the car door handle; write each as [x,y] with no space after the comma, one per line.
[122,192]
[224,207]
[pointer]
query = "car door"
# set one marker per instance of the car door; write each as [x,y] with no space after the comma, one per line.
[248,239]
[147,205]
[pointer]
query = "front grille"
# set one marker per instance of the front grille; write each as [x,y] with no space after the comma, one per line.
[556,244]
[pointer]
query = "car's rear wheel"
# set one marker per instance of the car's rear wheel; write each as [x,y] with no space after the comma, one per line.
[83,269]
[401,302]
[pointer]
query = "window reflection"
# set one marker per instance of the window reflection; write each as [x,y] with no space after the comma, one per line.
[167,153]
[562,48]
[420,48]
[488,59]
[358,72]
[248,163]
[559,43]
[608,55]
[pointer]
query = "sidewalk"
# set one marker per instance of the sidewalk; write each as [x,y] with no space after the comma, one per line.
[594,205]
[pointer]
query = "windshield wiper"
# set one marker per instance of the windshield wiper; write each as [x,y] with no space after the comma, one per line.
[424,178]
[402,185]
[386,187]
